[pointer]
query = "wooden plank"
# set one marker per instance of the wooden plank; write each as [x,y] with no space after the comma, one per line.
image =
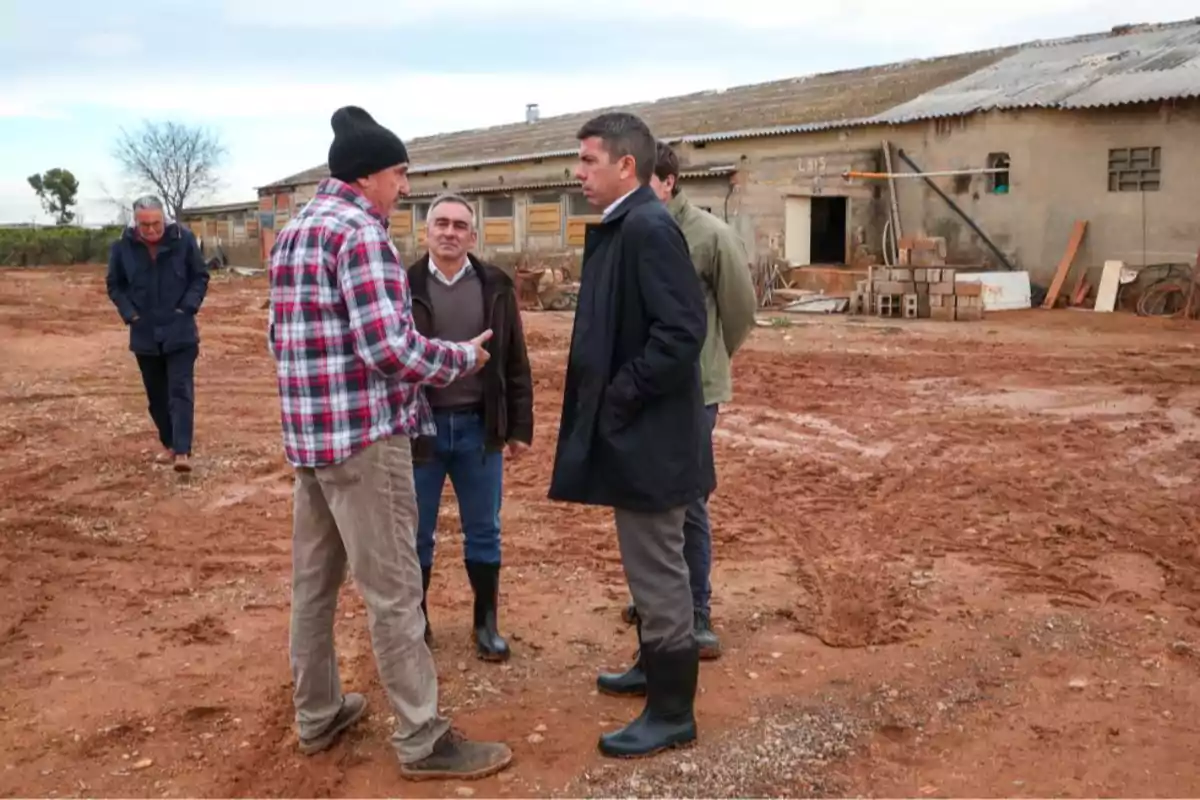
[400,223]
[544,218]
[577,229]
[1110,282]
[1081,291]
[497,231]
[1064,266]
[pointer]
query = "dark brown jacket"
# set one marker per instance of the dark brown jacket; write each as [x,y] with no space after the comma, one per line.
[507,382]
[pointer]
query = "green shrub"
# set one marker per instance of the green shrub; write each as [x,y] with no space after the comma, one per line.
[31,247]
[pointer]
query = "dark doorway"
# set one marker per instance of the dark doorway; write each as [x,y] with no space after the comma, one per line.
[828,230]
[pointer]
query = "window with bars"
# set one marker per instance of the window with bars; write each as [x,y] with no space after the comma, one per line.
[1134,169]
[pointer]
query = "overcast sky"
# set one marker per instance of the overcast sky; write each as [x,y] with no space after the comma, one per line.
[267,74]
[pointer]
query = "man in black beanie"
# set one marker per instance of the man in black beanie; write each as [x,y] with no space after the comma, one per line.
[350,365]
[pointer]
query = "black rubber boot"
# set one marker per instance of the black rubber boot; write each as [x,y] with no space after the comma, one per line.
[631,682]
[426,574]
[485,581]
[706,639]
[668,719]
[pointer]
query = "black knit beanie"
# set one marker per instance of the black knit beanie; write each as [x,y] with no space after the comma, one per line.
[361,146]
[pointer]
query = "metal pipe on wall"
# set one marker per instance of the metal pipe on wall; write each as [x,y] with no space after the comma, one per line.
[946,173]
[954,206]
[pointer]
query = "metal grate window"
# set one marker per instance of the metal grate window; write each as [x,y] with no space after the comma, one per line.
[1134,169]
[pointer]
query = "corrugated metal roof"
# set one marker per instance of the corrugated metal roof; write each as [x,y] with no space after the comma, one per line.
[1145,64]
[775,130]
[845,94]
[685,174]
[221,208]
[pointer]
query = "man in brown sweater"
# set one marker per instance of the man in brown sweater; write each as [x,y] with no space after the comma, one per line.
[480,417]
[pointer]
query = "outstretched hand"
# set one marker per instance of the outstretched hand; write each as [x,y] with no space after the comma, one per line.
[481,353]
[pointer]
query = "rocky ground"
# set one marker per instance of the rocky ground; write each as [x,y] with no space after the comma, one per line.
[952,559]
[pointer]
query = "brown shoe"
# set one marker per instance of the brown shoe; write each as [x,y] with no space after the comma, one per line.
[456,758]
[183,464]
[164,457]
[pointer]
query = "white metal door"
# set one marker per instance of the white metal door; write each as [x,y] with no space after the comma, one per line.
[797,231]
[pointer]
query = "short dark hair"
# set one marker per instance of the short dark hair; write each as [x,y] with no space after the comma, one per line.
[666,165]
[623,135]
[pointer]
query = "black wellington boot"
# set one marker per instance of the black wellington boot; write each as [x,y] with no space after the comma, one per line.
[485,581]
[426,574]
[668,719]
[631,682]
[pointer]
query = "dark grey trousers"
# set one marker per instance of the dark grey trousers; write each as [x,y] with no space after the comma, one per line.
[657,574]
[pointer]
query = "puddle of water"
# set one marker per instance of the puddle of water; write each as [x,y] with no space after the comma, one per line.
[1074,403]
[828,432]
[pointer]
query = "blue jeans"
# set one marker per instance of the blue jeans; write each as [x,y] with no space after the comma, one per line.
[697,538]
[477,477]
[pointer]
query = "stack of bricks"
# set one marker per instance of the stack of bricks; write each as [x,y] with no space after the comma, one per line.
[918,293]
[922,287]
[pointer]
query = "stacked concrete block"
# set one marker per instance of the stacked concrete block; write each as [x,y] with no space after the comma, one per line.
[917,293]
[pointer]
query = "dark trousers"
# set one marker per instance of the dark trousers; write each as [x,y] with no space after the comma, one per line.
[697,539]
[477,477]
[171,389]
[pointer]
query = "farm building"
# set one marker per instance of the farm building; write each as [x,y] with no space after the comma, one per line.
[231,226]
[1101,127]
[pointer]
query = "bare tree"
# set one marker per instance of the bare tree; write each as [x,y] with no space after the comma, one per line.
[120,205]
[177,161]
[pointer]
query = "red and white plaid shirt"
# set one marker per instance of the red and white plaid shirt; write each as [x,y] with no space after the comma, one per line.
[348,357]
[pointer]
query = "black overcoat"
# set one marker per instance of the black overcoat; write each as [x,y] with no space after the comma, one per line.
[633,433]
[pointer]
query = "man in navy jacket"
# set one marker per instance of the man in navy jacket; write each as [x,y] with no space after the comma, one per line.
[157,279]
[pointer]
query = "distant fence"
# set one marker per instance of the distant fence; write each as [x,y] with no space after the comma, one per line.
[32,247]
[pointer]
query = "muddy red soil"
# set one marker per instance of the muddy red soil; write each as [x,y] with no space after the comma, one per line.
[951,559]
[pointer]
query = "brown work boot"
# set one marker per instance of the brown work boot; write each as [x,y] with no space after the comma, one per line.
[456,758]
[183,464]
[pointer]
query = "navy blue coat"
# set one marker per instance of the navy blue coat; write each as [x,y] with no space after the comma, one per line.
[633,433]
[158,300]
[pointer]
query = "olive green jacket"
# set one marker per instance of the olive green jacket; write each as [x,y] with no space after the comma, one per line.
[724,269]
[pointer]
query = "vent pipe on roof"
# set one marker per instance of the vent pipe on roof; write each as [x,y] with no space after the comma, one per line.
[531,113]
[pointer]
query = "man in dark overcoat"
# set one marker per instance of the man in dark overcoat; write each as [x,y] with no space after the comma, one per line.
[633,435]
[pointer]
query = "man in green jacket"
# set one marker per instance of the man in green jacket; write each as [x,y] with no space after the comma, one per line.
[722,264]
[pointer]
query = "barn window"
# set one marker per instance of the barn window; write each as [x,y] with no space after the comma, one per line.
[498,207]
[580,207]
[997,182]
[1134,169]
[545,198]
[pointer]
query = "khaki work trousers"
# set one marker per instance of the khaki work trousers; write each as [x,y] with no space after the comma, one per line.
[362,513]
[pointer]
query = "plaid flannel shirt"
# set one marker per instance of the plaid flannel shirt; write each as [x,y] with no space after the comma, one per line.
[349,359]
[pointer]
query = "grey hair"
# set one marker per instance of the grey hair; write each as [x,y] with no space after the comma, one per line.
[451,197]
[148,203]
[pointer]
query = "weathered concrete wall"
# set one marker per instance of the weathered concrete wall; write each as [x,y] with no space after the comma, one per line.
[772,168]
[1059,173]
